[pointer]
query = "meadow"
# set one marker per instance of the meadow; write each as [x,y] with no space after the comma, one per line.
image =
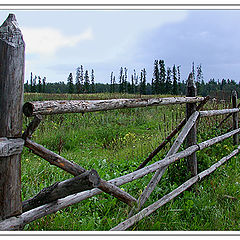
[115,143]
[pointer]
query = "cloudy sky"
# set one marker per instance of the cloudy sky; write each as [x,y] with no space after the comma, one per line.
[59,41]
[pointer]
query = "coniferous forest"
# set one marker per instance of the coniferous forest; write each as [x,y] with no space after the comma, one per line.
[163,80]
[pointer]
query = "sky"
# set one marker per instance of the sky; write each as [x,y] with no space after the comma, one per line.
[58,41]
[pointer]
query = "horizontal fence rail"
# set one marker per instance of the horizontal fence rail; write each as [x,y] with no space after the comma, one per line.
[75,170]
[83,106]
[36,213]
[170,136]
[80,183]
[174,149]
[15,213]
[168,197]
[210,113]
[9,147]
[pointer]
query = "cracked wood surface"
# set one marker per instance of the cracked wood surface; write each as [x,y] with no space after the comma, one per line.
[12,58]
[82,106]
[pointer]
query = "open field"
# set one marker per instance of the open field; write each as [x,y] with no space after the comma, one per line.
[115,143]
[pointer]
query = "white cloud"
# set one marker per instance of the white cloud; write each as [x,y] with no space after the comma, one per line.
[47,41]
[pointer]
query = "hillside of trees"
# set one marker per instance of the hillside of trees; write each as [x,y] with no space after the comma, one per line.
[164,80]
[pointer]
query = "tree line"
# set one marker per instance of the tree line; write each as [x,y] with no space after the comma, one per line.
[83,82]
[36,84]
[165,80]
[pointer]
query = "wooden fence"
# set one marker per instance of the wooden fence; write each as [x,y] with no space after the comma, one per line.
[14,213]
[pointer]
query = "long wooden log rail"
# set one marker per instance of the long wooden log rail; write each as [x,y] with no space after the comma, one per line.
[15,214]
[83,106]
[30,213]
[73,168]
[35,208]
[229,115]
[168,197]
[36,213]
[174,149]
[170,136]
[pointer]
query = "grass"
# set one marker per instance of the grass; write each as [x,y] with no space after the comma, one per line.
[115,143]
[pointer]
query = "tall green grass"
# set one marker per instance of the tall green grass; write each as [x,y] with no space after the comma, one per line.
[115,143]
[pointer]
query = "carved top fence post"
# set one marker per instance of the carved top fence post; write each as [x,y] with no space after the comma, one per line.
[12,54]
[192,135]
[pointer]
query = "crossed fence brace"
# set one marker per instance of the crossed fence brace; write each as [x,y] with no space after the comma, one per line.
[86,184]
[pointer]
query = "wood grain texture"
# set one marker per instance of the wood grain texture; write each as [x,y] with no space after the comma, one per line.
[12,56]
[217,139]
[229,115]
[54,159]
[153,207]
[170,136]
[80,183]
[75,170]
[9,147]
[29,216]
[32,127]
[174,148]
[210,113]
[191,139]
[83,106]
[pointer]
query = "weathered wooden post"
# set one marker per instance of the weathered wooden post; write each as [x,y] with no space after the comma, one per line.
[12,51]
[191,139]
[235,117]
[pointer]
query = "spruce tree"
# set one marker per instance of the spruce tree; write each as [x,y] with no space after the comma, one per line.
[44,85]
[70,84]
[199,79]
[162,77]
[78,80]
[35,84]
[179,80]
[153,86]
[141,82]
[129,87]
[193,70]
[111,83]
[202,92]
[81,79]
[86,82]
[92,82]
[169,81]
[125,80]
[223,84]
[135,81]
[132,84]
[114,84]
[144,81]
[31,83]
[39,84]
[175,85]
[121,79]
[156,78]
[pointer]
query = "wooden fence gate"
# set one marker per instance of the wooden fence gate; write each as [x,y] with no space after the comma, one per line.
[14,213]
